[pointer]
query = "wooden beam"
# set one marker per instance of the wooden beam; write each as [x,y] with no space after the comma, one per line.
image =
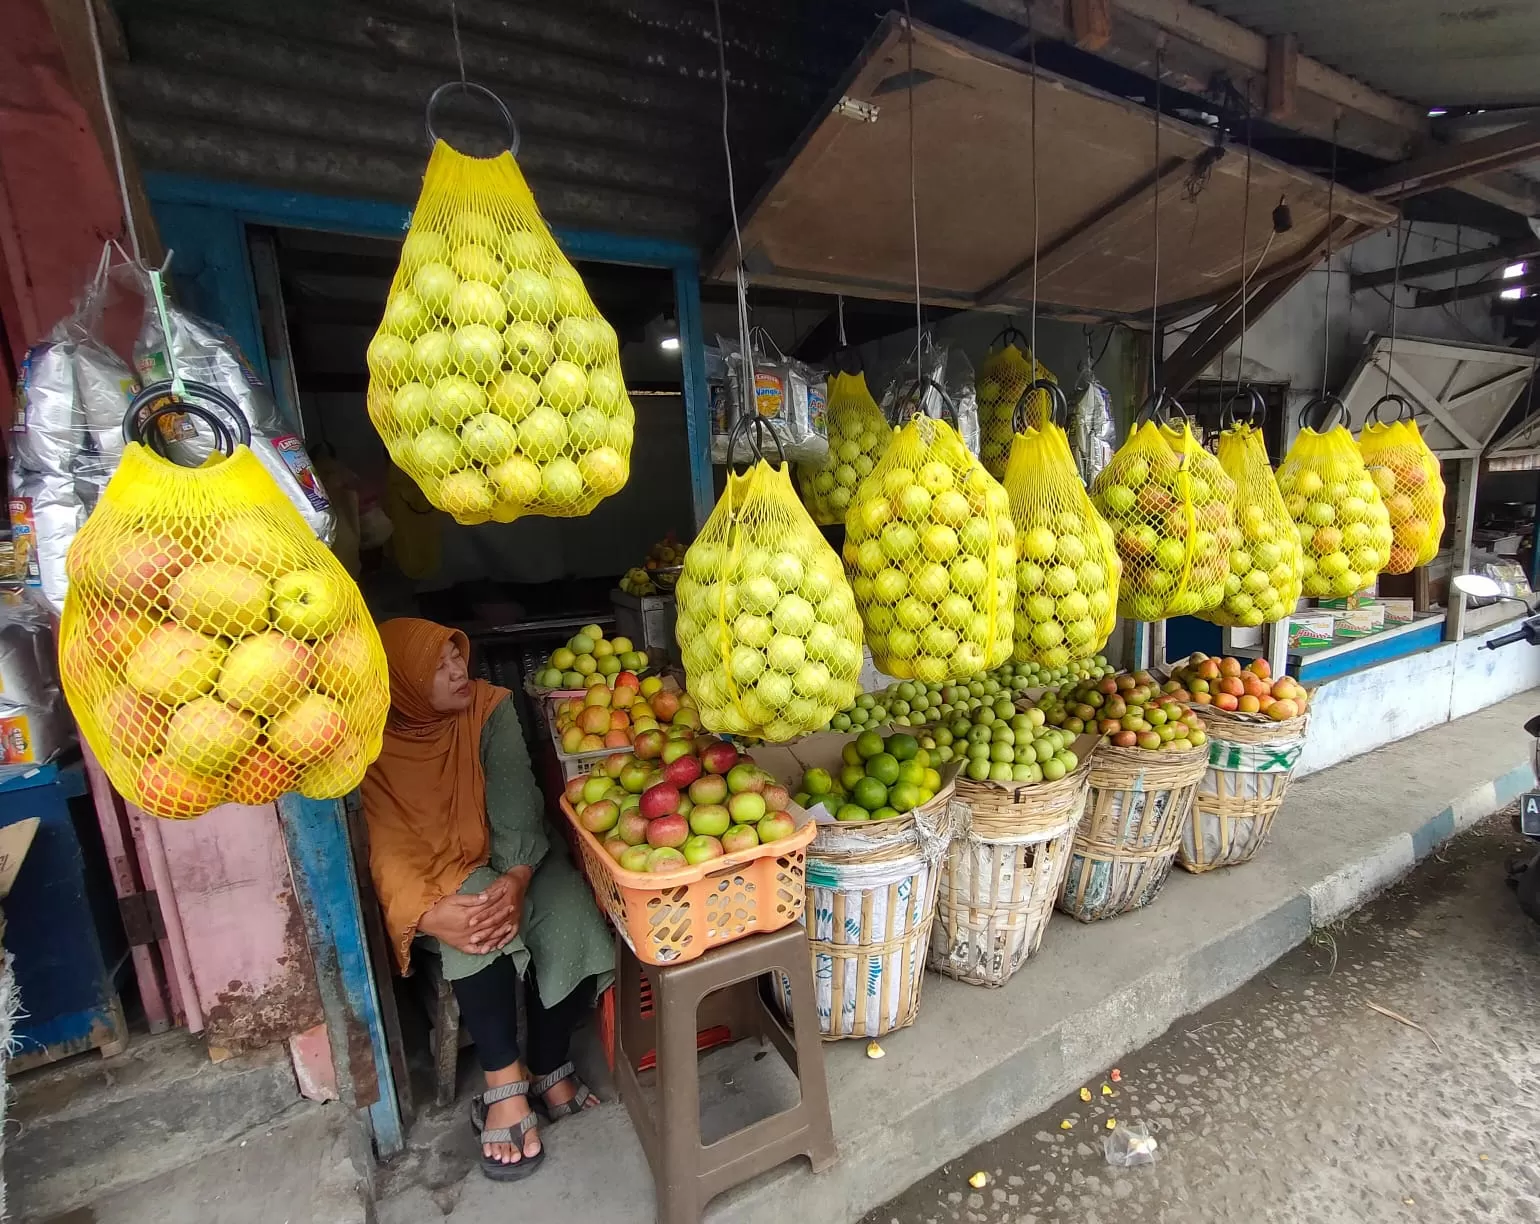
[1452,163]
[1091,23]
[1509,250]
[1282,75]
[1491,286]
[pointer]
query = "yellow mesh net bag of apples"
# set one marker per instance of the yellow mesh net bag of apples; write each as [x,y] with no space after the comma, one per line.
[1406,472]
[858,436]
[1344,529]
[1067,564]
[1004,374]
[931,548]
[1171,509]
[1263,582]
[212,649]
[767,625]
[493,380]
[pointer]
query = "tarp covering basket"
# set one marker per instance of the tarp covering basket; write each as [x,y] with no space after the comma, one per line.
[1250,764]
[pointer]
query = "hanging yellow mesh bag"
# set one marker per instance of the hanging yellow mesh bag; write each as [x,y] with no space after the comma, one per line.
[767,625]
[858,436]
[931,551]
[1263,582]
[493,380]
[1003,375]
[1406,472]
[1171,509]
[212,649]
[1344,529]
[1068,567]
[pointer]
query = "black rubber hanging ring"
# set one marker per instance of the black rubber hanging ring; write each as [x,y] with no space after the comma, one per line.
[947,403]
[1058,404]
[472,87]
[1011,332]
[1256,409]
[228,432]
[755,427]
[1405,411]
[1332,404]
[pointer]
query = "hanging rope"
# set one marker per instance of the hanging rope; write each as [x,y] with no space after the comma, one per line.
[112,129]
[914,206]
[745,358]
[1032,51]
[1240,354]
[454,25]
[1331,221]
[1395,305]
[1155,290]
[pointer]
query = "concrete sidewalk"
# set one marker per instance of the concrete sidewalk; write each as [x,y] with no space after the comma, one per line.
[979,1062]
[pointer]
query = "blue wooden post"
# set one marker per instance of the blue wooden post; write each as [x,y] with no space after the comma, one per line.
[321,862]
[697,400]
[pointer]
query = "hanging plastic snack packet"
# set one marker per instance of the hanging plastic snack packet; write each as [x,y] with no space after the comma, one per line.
[858,437]
[937,380]
[35,724]
[932,553]
[767,624]
[1406,472]
[1004,374]
[212,649]
[493,380]
[1067,569]
[1091,428]
[1263,584]
[1344,529]
[1171,508]
[788,394]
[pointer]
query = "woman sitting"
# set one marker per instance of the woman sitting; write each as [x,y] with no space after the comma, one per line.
[464,866]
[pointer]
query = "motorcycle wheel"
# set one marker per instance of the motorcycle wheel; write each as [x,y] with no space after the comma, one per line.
[1527,889]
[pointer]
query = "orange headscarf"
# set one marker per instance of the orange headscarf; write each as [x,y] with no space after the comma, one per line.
[425,796]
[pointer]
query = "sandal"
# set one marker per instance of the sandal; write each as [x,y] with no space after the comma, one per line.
[494,1169]
[580,1097]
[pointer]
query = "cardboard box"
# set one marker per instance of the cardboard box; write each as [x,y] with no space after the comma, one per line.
[1398,611]
[1365,598]
[1360,622]
[1311,629]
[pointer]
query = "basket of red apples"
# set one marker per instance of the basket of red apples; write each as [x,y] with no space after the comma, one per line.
[690,848]
[1244,693]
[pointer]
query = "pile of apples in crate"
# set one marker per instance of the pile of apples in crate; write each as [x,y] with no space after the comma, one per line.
[695,799]
[1227,685]
[633,713]
[589,653]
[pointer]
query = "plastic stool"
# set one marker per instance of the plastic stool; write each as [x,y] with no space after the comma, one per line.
[721,987]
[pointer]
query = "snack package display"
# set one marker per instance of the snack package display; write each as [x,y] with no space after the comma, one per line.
[788,394]
[858,438]
[1091,429]
[1407,474]
[936,380]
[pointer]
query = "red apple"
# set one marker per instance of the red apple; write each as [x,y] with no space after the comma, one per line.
[266,673]
[649,745]
[776,796]
[260,777]
[665,859]
[659,801]
[664,704]
[574,788]
[134,724]
[775,827]
[615,847]
[709,788]
[136,570]
[632,827]
[616,762]
[208,737]
[719,757]
[168,791]
[307,731]
[745,776]
[739,838]
[672,831]
[682,771]
[600,817]
[747,807]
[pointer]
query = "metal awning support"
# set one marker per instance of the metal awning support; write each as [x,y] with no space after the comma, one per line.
[1506,251]
[1451,164]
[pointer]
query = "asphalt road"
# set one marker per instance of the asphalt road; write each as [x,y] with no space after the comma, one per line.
[1295,1100]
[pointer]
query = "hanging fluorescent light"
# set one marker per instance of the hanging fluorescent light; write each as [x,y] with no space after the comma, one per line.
[1513,270]
[1511,294]
[669,344]
[663,333]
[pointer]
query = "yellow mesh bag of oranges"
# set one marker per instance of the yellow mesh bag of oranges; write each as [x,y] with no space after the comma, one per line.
[1406,472]
[767,624]
[931,549]
[1004,374]
[493,380]
[1171,510]
[212,649]
[1344,528]
[1067,567]
[858,436]
[1263,583]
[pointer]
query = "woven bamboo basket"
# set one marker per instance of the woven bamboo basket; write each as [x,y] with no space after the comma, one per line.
[1002,874]
[1131,831]
[1250,765]
[871,899]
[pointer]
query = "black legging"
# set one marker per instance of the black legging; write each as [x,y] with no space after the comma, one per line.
[489,1009]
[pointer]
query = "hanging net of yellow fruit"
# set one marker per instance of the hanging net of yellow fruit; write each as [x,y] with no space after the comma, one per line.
[1263,583]
[1406,472]
[1004,375]
[212,649]
[932,553]
[1172,512]
[858,436]
[767,624]
[493,380]
[1067,568]
[1344,529]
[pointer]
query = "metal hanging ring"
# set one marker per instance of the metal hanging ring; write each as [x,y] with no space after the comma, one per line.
[1256,409]
[1058,405]
[1405,411]
[1332,405]
[472,87]
[752,423]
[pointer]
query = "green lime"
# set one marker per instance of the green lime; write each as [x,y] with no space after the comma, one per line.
[911,772]
[817,781]
[870,794]
[904,796]
[884,813]
[868,744]
[903,746]
[883,767]
[850,775]
[932,780]
[803,800]
[850,812]
[924,757]
[849,755]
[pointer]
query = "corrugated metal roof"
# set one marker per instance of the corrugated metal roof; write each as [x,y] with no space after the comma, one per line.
[1439,53]
[617,100]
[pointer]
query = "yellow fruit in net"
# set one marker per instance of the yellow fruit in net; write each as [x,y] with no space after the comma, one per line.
[1003,375]
[858,437]
[1406,473]
[1343,527]
[1263,582]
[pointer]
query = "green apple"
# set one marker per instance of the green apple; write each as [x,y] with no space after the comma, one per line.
[543,433]
[564,386]
[588,429]
[434,283]
[514,395]
[561,483]
[530,296]
[604,471]
[476,262]
[404,314]
[571,297]
[390,357]
[517,480]
[488,438]
[607,389]
[466,494]
[477,350]
[454,399]
[529,347]
[411,407]
[430,355]
[423,246]
[477,302]
[309,603]
[436,450]
[526,249]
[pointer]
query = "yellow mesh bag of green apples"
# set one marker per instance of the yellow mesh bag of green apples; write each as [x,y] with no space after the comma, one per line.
[1344,529]
[1004,374]
[212,649]
[1067,568]
[858,436]
[1171,509]
[493,380]
[932,553]
[1263,584]
[766,625]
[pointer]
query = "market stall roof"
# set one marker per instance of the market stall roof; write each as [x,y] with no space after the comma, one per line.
[1461,393]
[837,217]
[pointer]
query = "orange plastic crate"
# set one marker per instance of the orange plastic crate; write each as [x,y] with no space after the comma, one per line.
[669,919]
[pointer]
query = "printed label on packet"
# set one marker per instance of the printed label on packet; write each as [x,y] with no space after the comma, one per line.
[19,421]
[16,740]
[769,394]
[817,406]
[292,451]
[23,541]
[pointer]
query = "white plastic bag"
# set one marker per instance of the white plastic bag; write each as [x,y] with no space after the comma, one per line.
[788,392]
[940,383]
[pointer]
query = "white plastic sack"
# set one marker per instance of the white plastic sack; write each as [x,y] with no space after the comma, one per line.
[940,384]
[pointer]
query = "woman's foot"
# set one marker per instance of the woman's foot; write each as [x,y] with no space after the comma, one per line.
[562,1093]
[509,1114]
